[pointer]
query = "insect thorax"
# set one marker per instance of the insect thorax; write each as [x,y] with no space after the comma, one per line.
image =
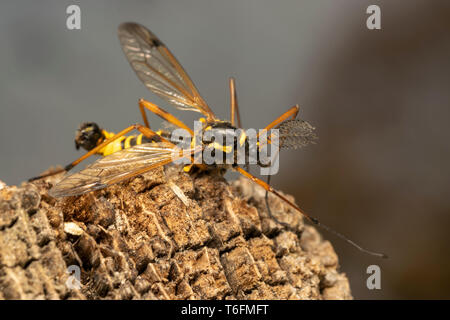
[222,144]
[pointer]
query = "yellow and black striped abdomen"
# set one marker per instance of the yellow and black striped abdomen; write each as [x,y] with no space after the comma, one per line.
[121,143]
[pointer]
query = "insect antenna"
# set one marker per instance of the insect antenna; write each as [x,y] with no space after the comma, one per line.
[294,134]
[327,228]
[340,235]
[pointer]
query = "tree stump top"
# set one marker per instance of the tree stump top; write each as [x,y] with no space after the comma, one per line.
[139,240]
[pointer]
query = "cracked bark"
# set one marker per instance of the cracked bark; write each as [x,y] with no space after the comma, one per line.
[138,240]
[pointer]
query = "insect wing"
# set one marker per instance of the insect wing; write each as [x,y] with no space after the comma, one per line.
[117,167]
[159,70]
[295,134]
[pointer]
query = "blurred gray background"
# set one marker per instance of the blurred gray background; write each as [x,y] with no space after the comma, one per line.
[379,100]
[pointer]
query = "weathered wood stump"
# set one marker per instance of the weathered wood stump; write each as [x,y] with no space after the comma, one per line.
[138,240]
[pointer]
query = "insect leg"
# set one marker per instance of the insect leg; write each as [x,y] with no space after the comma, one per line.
[291,113]
[144,130]
[266,199]
[268,188]
[144,104]
[234,107]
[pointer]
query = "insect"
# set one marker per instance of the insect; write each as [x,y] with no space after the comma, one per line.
[160,72]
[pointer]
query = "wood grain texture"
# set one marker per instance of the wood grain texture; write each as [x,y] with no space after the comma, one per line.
[138,240]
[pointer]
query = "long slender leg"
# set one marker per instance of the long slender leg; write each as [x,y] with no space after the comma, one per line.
[148,133]
[234,107]
[269,211]
[268,188]
[291,113]
[144,104]
[144,130]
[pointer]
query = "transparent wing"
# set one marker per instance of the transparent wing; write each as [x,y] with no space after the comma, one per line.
[117,167]
[159,70]
[295,134]
[292,134]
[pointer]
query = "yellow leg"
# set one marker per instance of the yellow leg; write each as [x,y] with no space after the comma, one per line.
[142,129]
[144,104]
[268,188]
[291,113]
[234,107]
